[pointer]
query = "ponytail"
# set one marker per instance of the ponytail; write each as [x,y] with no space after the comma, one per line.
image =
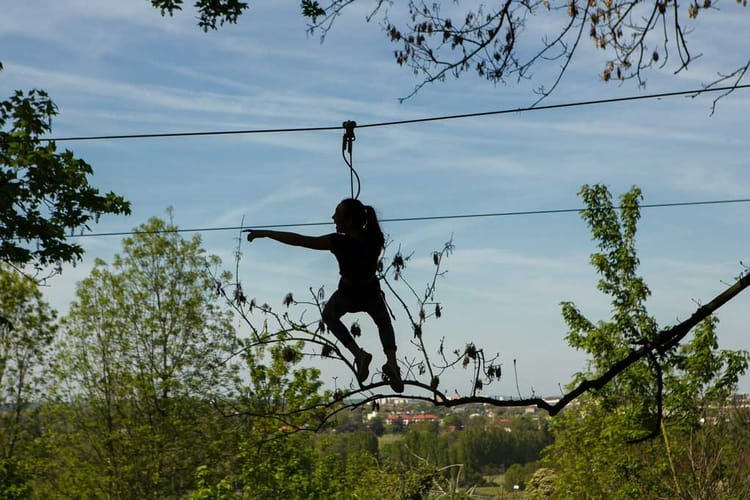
[372,227]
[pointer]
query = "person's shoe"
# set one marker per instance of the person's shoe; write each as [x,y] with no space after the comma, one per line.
[392,375]
[362,365]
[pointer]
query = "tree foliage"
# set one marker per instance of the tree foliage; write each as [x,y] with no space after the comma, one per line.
[486,446]
[211,13]
[617,264]
[142,356]
[676,397]
[697,368]
[513,39]
[702,458]
[290,441]
[327,465]
[44,193]
[25,344]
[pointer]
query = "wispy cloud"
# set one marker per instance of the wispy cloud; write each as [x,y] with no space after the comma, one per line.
[259,206]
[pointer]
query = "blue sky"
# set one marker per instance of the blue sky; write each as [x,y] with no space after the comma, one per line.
[120,68]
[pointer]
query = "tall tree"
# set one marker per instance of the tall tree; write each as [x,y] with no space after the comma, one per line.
[44,194]
[441,39]
[25,342]
[632,438]
[141,357]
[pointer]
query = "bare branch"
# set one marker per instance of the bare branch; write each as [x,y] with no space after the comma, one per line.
[735,77]
[568,54]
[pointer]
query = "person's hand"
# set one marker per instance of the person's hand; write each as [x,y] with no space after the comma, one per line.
[251,234]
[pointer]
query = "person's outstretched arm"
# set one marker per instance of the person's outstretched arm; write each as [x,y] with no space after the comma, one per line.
[299,240]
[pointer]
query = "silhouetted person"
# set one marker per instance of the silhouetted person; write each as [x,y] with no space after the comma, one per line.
[357,244]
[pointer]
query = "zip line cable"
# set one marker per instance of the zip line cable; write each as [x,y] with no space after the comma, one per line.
[413,219]
[347,146]
[693,93]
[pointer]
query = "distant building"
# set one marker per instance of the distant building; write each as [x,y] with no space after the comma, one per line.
[411,419]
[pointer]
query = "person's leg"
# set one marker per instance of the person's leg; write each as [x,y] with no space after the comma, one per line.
[378,311]
[332,312]
[336,307]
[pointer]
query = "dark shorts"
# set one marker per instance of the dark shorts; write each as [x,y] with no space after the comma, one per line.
[368,298]
[349,298]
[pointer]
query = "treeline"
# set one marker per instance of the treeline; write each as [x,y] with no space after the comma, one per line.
[485,446]
[197,453]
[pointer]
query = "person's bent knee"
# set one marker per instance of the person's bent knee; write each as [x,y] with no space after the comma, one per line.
[330,314]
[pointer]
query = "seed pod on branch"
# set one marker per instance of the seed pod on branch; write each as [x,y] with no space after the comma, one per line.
[355,330]
[398,262]
[572,9]
[494,371]
[239,295]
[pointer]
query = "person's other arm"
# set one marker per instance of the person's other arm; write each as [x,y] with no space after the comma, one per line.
[299,240]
